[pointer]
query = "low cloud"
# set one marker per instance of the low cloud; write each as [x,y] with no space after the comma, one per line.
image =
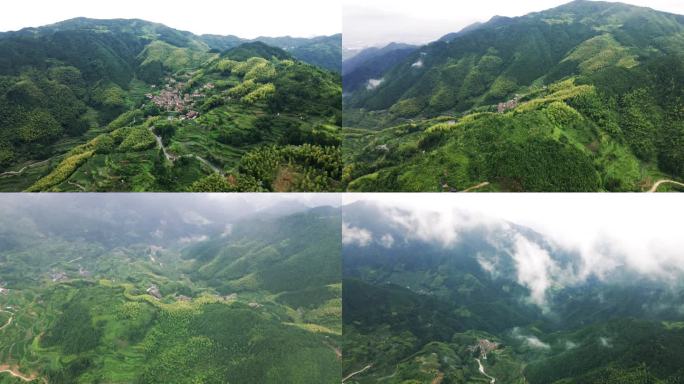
[530,340]
[387,240]
[582,236]
[373,83]
[194,218]
[192,239]
[605,342]
[353,235]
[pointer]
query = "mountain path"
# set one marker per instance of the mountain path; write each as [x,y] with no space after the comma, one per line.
[77,185]
[482,371]
[15,372]
[474,187]
[337,350]
[161,145]
[19,172]
[658,183]
[8,321]
[438,379]
[349,376]
[173,158]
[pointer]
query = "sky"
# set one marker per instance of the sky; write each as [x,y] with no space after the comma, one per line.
[246,19]
[642,232]
[379,22]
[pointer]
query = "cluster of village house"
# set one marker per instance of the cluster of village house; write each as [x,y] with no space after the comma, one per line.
[510,104]
[57,276]
[173,98]
[484,346]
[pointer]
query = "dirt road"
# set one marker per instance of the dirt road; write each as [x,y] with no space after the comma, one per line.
[349,376]
[14,371]
[658,183]
[19,172]
[481,185]
[482,371]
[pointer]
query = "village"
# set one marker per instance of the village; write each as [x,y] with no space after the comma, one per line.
[483,347]
[174,98]
[508,105]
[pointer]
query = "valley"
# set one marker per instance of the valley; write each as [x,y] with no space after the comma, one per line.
[179,299]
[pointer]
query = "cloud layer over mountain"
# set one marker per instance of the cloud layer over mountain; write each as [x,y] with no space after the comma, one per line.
[582,236]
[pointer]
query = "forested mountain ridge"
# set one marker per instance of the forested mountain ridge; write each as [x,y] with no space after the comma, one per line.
[371,63]
[424,299]
[186,291]
[130,78]
[588,84]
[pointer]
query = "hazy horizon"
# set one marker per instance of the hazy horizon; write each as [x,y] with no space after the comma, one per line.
[385,21]
[244,19]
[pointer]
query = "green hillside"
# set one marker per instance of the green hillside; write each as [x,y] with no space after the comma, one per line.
[82,101]
[583,97]
[84,309]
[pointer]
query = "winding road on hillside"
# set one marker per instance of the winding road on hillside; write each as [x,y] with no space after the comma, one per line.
[658,183]
[474,187]
[8,321]
[349,376]
[19,172]
[173,158]
[4,368]
[161,145]
[482,371]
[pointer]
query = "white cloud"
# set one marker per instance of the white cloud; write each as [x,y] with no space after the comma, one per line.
[600,233]
[194,218]
[530,340]
[387,240]
[605,342]
[193,239]
[486,264]
[354,235]
[373,83]
[535,268]
[429,225]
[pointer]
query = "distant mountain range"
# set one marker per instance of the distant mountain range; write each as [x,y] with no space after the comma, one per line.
[371,63]
[323,51]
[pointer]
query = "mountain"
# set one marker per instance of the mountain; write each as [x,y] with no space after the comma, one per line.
[473,299]
[583,84]
[323,51]
[371,63]
[450,36]
[175,287]
[128,105]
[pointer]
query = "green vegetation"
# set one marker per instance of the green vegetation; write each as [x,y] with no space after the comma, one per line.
[211,112]
[576,98]
[166,301]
